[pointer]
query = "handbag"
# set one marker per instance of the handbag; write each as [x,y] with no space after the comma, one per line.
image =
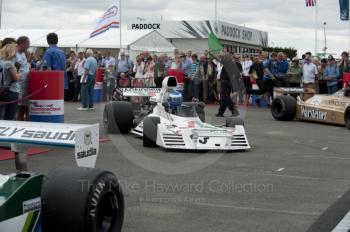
[4,89]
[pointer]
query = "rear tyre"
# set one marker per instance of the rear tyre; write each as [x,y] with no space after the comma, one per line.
[150,128]
[283,108]
[232,122]
[199,107]
[81,199]
[118,117]
[347,117]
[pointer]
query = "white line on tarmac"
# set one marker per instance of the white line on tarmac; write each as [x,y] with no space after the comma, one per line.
[295,177]
[343,225]
[259,209]
[280,170]
[325,157]
[83,119]
[325,148]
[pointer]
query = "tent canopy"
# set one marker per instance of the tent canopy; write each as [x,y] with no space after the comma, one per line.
[69,38]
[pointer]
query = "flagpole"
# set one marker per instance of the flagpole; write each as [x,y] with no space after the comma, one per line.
[120,27]
[216,13]
[316,28]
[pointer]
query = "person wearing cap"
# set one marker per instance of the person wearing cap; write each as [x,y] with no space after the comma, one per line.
[309,73]
[294,73]
[332,75]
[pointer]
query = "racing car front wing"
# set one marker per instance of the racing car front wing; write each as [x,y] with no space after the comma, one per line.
[203,139]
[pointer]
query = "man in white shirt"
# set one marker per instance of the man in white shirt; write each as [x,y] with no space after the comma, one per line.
[309,73]
[23,44]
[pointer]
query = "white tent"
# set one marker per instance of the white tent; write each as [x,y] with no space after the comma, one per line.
[131,39]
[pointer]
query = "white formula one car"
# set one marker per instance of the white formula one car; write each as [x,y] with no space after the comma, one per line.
[162,123]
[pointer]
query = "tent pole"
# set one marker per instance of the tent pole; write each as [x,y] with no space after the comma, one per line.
[120,27]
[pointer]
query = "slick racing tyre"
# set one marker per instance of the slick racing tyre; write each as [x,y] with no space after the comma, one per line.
[232,122]
[81,199]
[347,117]
[150,125]
[118,117]
[283,108]
[199,106]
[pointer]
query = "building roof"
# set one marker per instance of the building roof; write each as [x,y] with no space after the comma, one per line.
[69,38]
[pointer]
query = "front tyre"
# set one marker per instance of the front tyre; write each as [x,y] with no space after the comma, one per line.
[150,130]
[118,117]
[82,199]
[347,117]
[284,108]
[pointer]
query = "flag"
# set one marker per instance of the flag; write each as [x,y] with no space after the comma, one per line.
[214,44]
[110,19]
[310,3]
[344,9]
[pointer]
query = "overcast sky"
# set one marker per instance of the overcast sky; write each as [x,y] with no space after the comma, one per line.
[288,22]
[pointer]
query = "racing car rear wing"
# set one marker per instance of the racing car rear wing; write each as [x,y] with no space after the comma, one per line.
[139,92]
[84,139]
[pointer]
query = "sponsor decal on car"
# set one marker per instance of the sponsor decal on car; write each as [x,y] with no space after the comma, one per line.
[316,100]
[32,205]
[313,114]
[23,133]
[140,92]
[46,107]
[335,102]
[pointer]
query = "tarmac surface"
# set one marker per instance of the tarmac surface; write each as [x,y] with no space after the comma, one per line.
[294,172]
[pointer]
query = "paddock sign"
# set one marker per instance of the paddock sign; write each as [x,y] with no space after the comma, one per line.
[143,25]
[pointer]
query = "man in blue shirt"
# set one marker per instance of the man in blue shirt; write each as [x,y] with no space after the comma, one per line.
[54,58]
[332,74]
[282,69]
[88,82]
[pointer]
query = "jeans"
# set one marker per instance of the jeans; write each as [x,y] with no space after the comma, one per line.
[332,89]
[8,111]
[87,92]
[77,88]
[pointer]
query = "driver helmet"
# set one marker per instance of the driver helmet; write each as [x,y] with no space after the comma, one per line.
[175,99]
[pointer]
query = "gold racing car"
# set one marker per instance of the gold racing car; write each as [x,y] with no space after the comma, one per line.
[332,109]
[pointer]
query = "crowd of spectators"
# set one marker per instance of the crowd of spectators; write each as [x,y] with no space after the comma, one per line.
[227,79]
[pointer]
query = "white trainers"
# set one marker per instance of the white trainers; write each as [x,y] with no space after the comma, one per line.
[83,109]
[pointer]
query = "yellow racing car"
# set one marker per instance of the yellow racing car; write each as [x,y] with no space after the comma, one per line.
[332,109]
